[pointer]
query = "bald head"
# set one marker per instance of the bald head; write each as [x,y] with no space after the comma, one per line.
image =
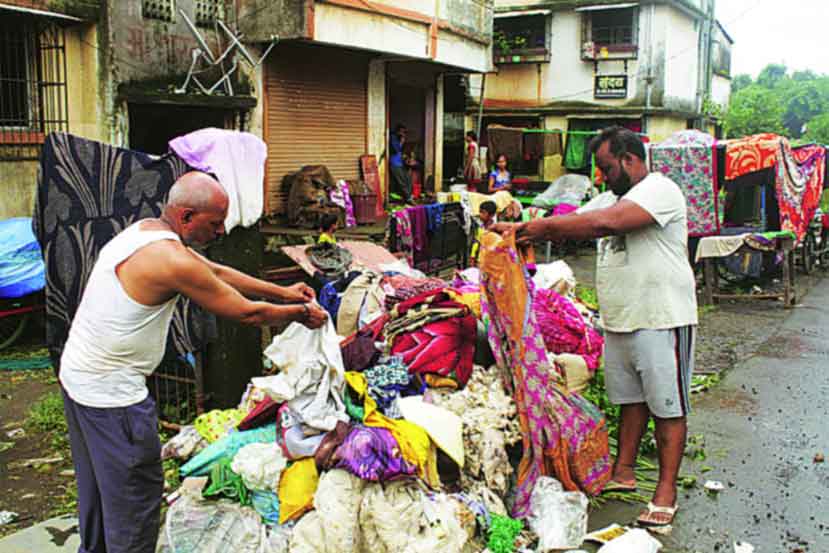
[196,208]
[198,191]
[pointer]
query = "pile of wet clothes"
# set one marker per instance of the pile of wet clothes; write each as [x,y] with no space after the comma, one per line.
[388,430]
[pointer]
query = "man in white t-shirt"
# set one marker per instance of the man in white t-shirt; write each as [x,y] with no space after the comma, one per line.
[647,295]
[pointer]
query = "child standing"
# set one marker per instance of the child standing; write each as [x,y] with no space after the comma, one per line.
[327,228]
[487,217]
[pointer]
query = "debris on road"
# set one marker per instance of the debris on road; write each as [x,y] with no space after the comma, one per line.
[15,434]
[7,517]
[743,547]
[819,458]
[634,541]
[37,462]
[714,486]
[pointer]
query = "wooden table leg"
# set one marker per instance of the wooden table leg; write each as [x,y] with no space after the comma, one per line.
[709,276]
[787,278]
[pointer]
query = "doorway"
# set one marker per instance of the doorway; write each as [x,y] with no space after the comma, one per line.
[407,106]
[152,126]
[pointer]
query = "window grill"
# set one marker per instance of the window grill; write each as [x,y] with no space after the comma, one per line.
[163,10]
[33,99]
[208,11]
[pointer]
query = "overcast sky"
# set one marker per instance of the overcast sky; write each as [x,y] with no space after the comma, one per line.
[769,31]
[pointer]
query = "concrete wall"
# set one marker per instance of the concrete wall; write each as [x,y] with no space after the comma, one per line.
[681,65]
[720,90]
[19,180]
[552,168]
[83,74]
[661,127]
[377,126]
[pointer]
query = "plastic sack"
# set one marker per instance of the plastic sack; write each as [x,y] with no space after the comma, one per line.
[22,270]
[633,541]
[556,276]
[567,189]
[311,378]
[559,518]
[260,466]
[195,526]
[183,445]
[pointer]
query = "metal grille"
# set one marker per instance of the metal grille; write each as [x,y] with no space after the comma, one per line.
[33,100]
[163,10]
[208,11]
[177,388]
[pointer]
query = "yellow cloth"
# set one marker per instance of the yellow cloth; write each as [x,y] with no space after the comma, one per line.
[472,300]
[502,200]
[415,444]
[326,238]
[297,487]
[215,424]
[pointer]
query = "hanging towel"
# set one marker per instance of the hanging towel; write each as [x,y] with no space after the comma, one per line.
[238,161]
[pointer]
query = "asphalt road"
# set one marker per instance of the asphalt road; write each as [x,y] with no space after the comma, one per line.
[765,427]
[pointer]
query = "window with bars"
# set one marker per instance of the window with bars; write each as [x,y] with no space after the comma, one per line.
[163,10]
[208,11]
[33,98]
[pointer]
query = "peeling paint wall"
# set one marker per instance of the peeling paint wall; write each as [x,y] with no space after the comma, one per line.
[661,127]
[377,126]
[19,182]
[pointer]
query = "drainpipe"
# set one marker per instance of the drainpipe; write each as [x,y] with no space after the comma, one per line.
[649,78]
[481,106]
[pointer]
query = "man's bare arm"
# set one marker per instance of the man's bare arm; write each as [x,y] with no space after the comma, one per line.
[621,218]
[193,278]
[254,287]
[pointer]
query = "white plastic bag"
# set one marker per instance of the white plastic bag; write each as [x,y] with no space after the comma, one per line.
[633,541]
[567,189]
[559,518]
[556,276]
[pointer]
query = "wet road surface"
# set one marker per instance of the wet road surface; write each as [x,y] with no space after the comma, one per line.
[763,427]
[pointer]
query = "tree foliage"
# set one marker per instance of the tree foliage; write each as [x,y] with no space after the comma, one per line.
[794,105]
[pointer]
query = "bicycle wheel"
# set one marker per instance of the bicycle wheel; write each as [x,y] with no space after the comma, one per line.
[11,328]
[823,256]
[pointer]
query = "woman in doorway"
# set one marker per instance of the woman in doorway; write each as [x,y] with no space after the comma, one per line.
[500,178]
[472,167]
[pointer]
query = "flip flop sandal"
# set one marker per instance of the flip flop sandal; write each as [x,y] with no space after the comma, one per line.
[620,487]
[646,517]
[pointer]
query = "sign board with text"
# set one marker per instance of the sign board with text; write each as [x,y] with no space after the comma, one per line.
[610,86]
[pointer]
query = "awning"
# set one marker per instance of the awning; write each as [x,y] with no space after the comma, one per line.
[41,13]
[524,13]
[607,7]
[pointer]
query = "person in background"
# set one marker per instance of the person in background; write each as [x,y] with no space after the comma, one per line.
[500,178]
[472,166]
[327,228]
[647,294]
[117,339]
[487,217]
[401,183]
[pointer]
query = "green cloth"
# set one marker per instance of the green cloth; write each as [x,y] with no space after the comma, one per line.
[356,412]
[226,483]
[25,364]
[502,534]
[774,235]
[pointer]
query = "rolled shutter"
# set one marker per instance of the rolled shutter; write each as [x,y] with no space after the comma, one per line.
[316,114]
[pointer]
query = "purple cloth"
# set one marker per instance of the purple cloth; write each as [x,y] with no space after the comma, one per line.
[564,209]
[117,457]
[373,454]
[237,159]
[420,230]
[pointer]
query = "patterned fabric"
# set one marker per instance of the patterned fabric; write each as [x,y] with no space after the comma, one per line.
[87,193]
[563,434]
[386,381]
[341,196]
[373,454]
[750,154]
[564,329]
[689,159]
[403,228]
[215,424]
[399,288]
[799,185]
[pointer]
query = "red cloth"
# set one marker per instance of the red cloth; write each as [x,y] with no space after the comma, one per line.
[446,348]
[564,330]
[264,413]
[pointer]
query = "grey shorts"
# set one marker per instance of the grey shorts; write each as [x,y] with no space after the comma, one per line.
[653,367]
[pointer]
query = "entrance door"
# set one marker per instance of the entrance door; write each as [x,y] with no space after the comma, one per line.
[152,126]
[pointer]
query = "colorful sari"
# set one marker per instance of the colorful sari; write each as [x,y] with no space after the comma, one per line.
[563,434]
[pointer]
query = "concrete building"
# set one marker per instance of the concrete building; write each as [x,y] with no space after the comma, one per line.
[345,71]
[655,66]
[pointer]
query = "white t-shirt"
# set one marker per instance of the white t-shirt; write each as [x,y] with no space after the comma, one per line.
[644,279]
